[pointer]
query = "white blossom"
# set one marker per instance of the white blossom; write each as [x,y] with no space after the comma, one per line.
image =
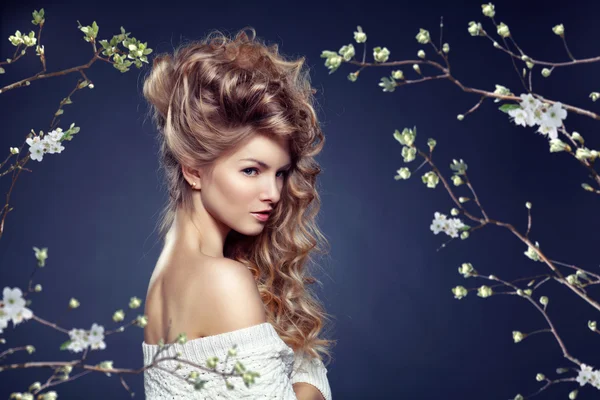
[13,308]
[449,226]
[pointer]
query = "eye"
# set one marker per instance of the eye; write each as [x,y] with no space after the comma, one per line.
[284,173]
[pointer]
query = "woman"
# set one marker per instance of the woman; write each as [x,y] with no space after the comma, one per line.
[237,136]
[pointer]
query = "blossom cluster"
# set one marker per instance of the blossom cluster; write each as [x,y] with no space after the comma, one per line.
[13,308]
[532,111]
[50,143]
[449,226]
[81,339]
[588,375]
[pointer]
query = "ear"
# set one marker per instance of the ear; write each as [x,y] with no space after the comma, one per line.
[192,176]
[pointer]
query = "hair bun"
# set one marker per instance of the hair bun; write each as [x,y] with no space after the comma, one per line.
[158,87]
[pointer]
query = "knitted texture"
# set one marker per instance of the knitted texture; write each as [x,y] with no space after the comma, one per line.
[259,348]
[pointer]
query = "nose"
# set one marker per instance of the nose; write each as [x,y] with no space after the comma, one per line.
[271,190]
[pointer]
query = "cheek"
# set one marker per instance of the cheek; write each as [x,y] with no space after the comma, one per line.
[236,189]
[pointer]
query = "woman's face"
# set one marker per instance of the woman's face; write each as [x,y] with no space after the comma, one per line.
[237,186]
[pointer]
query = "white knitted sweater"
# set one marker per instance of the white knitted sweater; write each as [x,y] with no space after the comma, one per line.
[259,348]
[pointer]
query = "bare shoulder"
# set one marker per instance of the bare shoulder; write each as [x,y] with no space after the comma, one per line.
[218,295]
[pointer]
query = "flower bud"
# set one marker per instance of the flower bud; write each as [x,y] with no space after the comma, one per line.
[484,291]
[587,187]
[118,316]
[38,288]
[573,394]
[182,338]
[73,303]
[529,64]
[51,395]
[14,150]
[528,292]
[457,180]
[557,145]
[30,349]
[454,212]
[528,205]
[403,173]
[423,36]
[360,36]
[546,72]
[212,362]
[459,292]
[518,336]
[466,269]
[592,325]
[353,76]
[381,54]
[464,235]
[35,386]
[576,136]
[594,96]
[463,199]
[559,30]
[503,30]
[417,68]
[431,143]
[475,29]
[496,44]
[446,48]
[540,377]
[460,117]
[488,10]
[421,54]
[142,320]
[397,74]
[544,300]
[134,302]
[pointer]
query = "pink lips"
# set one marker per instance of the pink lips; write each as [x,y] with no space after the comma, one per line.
[261,217]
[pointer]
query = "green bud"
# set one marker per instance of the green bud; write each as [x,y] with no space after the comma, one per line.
[460,117]
[546,72]
[518,336]
[544,300]
[446,48]
[540,377]
[559,30]
[503,30]
[73,303]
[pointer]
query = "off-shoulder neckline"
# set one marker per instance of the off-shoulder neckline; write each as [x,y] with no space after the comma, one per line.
[236,332]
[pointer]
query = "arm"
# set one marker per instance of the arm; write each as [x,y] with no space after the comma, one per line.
[306,391]
[309,378]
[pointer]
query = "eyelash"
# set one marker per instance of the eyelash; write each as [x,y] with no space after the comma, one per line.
[285,173]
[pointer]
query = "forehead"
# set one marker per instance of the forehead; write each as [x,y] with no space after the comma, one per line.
[272,151]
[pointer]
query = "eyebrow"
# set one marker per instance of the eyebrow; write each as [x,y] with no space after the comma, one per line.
[262,164]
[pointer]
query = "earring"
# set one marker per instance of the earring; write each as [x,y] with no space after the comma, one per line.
[193,184]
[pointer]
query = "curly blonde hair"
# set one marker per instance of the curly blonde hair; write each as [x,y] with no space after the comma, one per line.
[208,97]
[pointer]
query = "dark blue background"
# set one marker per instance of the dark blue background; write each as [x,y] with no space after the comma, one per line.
[400,332]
